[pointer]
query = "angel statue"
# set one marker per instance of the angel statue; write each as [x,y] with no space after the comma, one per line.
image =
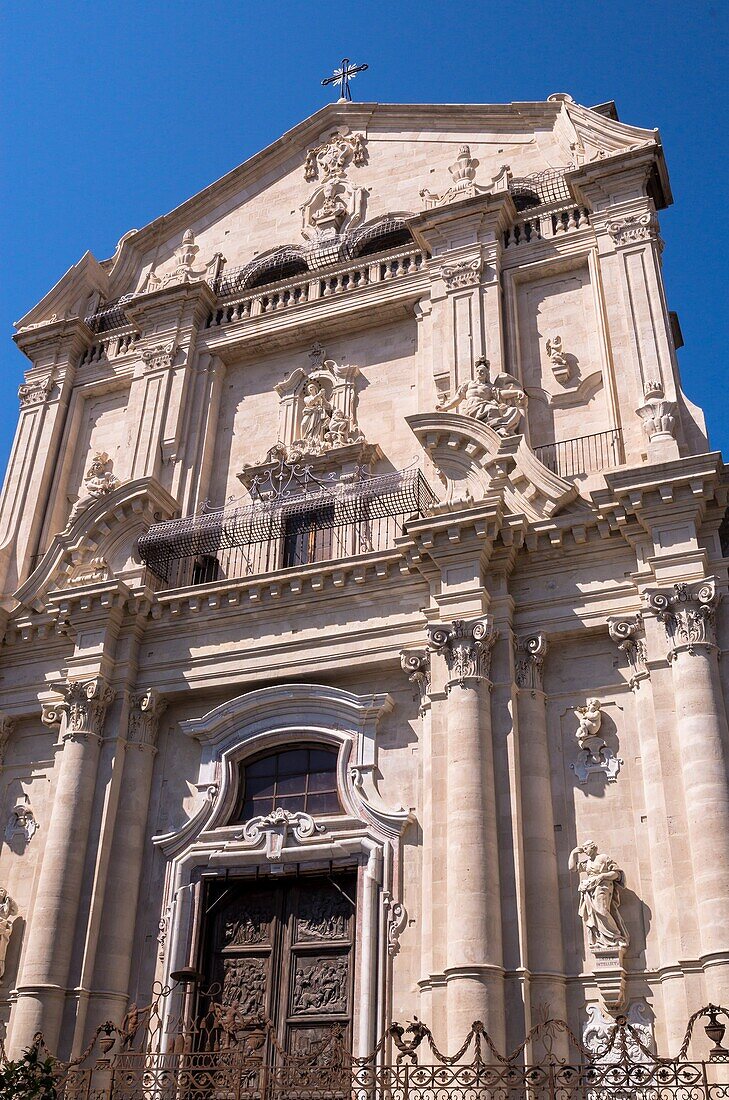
[590,719]
[600,897]
[499,404]
[99,481]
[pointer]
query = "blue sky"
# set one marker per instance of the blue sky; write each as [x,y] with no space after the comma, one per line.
[114,113]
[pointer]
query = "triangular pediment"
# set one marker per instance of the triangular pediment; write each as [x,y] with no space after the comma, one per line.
[262,205]
[74,295]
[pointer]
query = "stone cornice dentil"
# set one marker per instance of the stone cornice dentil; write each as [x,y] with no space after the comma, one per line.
[687,611]
[466,646]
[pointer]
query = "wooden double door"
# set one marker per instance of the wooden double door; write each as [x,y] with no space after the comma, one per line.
[284,949]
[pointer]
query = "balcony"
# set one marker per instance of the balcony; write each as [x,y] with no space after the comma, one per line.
[584,455]
[294,520]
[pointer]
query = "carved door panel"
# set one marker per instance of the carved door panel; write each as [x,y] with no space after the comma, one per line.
[284,950]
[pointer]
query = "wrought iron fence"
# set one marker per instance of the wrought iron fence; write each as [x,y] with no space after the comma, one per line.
[584,455]
[218,1055]
[294,519]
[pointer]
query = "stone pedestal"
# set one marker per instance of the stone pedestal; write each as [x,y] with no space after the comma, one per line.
[474,960]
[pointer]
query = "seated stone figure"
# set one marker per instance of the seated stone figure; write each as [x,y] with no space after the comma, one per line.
[499,404]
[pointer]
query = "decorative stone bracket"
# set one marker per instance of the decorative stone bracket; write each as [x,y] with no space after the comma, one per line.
[274,828]
[627,632]
[397,919]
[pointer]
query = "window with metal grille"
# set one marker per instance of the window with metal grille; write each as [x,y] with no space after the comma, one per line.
[308,536]
[302,779]
[205,569]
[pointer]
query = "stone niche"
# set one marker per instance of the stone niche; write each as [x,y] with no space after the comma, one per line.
[560,351]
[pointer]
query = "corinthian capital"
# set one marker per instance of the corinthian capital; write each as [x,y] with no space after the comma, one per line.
[628,634]
[84,707]
[144,715]
[531,649]
[416,663]
[687,611]
[466,646]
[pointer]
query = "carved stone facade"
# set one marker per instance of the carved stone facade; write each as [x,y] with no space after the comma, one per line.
[377,597]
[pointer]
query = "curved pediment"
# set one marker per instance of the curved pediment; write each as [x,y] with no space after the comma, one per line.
[473,462]
[99,545]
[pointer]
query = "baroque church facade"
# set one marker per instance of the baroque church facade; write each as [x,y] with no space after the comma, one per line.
[362,599]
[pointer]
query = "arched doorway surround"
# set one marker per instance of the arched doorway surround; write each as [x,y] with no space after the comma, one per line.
[366,832]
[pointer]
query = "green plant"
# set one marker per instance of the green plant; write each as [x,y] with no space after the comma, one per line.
[29,1078]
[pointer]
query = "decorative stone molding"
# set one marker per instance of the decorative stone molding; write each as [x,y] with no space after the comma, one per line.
[397,919]
[158,356]
[184,272]
[628,634]
[21,821]
[600,882]
[462,273]
[595,755]
[8,913]
[561,368]
[499,404]
[274,829]
[463,172]
[634,228]
[162,929]
[7,725]
[598,1029]
[84,707]
[417,666]
[99,481]
[144,715]
[467,648]
[531,649]
[34,393]
[659,416]
[687,612]
[332,158]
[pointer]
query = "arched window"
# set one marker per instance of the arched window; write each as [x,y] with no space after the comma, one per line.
[303,779]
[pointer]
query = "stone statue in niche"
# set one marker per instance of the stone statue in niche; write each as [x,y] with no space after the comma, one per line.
[500,403]
[595,755]
[317,411]
[99,481]
[8,913]
[600,883]
[559,362]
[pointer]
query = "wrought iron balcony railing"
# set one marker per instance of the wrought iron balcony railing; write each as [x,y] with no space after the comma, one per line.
[294,519]
[584,455]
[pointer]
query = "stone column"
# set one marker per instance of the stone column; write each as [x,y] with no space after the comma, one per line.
[545,953]
[417,666]
[47,954]
[116,936]
[474,969]
[687,613]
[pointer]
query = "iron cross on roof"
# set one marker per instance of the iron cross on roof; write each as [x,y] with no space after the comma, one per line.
[342,77]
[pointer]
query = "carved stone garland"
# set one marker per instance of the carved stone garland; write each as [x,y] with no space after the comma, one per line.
[467,648]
